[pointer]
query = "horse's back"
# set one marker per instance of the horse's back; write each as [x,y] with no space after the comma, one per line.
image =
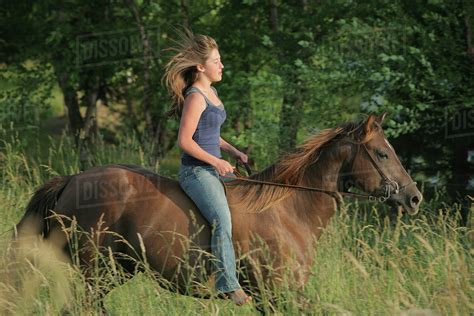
[141,207]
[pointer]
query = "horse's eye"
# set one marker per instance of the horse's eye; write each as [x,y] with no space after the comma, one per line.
[381,154]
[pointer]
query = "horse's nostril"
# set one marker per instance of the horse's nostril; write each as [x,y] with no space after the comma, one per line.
[415,200]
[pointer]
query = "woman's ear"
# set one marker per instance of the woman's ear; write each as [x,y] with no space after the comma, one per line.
[200,67]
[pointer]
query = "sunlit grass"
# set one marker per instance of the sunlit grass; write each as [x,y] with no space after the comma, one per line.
[366,263]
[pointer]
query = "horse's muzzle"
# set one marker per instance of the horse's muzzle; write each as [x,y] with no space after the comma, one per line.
[409,199]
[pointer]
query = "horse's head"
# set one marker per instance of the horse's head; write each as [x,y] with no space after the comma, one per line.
[375,168]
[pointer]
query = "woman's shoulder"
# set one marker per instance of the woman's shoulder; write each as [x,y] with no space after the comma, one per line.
[190,90]
[195,100]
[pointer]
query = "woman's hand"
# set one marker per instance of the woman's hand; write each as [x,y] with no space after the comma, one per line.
[241,156]
[223,167]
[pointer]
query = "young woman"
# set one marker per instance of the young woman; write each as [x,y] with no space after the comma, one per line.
[189,75]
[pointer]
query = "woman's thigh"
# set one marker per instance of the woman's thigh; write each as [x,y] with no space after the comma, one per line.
[203,186]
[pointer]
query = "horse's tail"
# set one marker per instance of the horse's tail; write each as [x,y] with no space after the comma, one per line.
[35,220]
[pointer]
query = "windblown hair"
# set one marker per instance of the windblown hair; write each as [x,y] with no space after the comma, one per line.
[181,71]
[292,167]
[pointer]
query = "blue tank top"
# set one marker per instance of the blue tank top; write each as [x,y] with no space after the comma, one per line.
[208,130]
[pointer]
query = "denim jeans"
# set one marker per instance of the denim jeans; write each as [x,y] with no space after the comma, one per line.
[202,184]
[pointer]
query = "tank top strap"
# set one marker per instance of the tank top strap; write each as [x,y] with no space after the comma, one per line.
[191,90]
[194,89]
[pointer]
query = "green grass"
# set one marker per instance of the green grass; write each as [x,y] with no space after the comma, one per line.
[366,263]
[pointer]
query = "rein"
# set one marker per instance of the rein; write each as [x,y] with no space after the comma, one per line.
[301,187]
[389,185]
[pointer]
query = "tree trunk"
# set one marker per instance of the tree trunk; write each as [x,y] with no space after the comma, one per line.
[185,10]
[274,16]
[76,123]
[461,173]
[290,118]
[468,21]
[292,107]
[130,112]
[89,133]
[241,119]
[150,121]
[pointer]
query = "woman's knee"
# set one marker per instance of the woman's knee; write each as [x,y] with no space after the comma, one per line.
[223,222]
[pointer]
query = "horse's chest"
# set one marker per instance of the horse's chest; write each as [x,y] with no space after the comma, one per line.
[296,238]
[284,235]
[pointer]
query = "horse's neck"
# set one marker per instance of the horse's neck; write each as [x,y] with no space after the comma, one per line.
[324,173]
[298,219]
[317,208]
[300,206]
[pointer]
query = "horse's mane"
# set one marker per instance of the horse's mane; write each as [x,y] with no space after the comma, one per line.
[290,168]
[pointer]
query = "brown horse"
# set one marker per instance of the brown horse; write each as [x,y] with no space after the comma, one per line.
[160,225]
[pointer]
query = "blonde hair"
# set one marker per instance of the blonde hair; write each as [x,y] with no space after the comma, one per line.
[181,70]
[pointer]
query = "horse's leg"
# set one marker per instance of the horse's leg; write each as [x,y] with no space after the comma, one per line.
[265,280]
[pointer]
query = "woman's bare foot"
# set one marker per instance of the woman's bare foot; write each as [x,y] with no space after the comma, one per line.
[239,297]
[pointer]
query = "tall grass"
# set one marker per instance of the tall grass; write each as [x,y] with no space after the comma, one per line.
[366,263]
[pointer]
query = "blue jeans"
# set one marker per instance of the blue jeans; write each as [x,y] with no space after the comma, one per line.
[202,184]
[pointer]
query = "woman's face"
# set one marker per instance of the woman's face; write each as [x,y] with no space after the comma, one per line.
[213,66]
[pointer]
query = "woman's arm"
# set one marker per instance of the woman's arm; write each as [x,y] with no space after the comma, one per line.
[232,150]
[225,146]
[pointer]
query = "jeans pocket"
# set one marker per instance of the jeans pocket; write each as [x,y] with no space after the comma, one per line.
[185,173]
[199,169]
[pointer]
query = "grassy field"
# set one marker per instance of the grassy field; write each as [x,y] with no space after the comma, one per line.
[366,263]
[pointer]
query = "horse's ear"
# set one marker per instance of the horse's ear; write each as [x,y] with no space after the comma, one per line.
[381,118]
[370,124]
